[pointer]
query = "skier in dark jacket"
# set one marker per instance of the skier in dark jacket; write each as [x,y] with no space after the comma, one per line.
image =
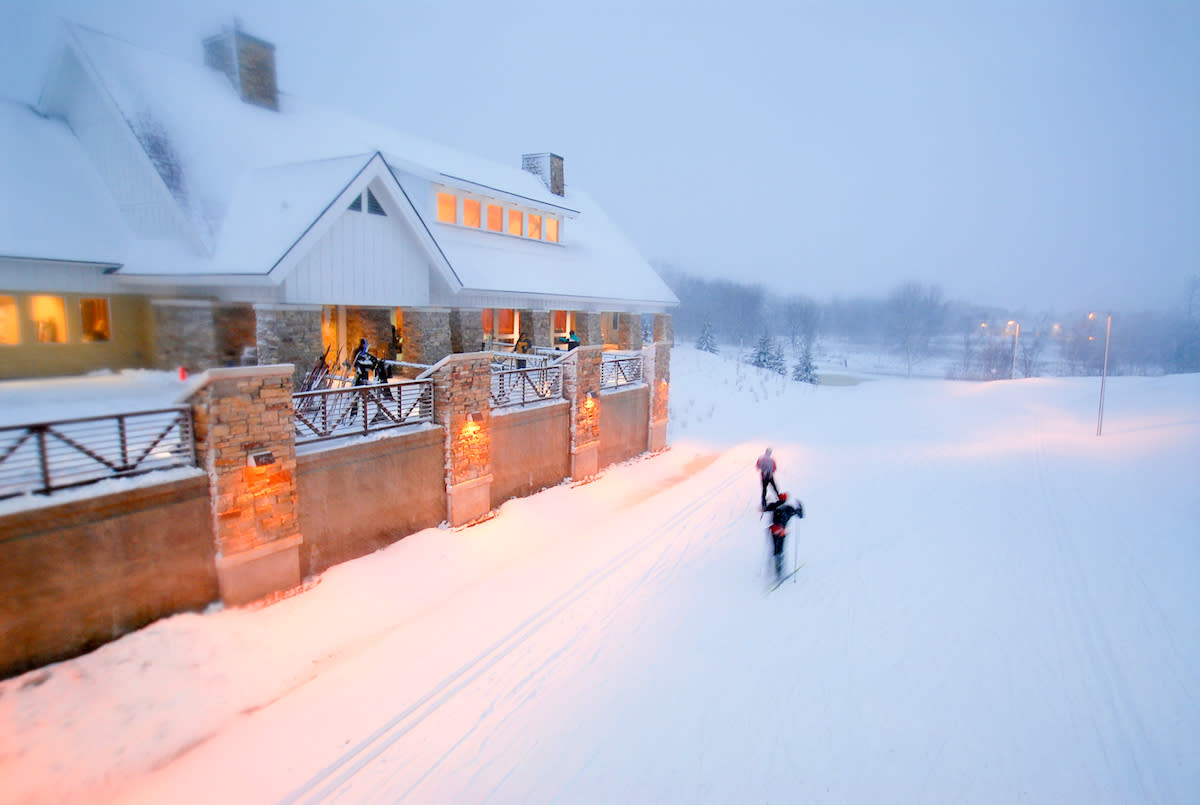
[363,364]
[781,512]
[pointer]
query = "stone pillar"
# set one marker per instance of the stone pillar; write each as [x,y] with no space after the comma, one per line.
[656,368]
[462,405]
[664,329]
[588,328]
[540,326]
[581,386]
[426,335]
[237,334]
[245,441]
[373,324]
[289,334]
[466,330]
[185,334]
[629,331]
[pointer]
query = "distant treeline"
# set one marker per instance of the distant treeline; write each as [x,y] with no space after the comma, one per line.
[914,321]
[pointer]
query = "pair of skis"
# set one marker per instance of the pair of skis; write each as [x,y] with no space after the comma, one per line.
[775,584]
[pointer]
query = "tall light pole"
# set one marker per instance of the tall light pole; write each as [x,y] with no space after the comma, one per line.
[1016,336]
[1103,375]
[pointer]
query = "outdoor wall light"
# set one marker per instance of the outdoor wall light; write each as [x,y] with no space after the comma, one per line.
[475,416]
[260,458]
[593,395]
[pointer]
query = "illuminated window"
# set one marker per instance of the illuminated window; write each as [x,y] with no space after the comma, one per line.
[50,317]
[471,211]
[506,322]
[495,218]
[552,230]
[10,328]
[535,226]
[96,324]
[515,222]
[447,208]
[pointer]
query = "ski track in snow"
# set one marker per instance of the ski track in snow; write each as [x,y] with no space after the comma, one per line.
[365,773]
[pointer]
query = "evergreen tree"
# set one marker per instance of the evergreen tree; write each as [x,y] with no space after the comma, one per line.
[768,355]
[804,371]
[707,342]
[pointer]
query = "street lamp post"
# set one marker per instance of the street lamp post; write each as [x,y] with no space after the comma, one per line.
[1016,337]
[1103,375]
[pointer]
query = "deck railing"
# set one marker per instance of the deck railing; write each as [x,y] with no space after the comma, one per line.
[525,386]
[620,369]
[44,456]
[361,410]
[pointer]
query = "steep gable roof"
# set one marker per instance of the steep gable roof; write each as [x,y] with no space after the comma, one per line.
[256,184]
[56,205]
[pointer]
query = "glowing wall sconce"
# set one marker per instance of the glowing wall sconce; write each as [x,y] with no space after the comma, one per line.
[475,417]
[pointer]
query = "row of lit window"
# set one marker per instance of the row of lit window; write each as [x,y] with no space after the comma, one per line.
[452,209]
[49,317]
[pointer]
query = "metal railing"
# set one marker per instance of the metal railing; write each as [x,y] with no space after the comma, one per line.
[524,386]
[620,369]
[360,410]
[506,361]
[44,456]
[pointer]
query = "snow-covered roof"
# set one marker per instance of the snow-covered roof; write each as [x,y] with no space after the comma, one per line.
[250,181]
[56,205]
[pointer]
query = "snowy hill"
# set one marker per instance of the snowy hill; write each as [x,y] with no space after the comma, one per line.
[995,606]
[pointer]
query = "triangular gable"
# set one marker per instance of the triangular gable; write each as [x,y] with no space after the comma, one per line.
[376,172]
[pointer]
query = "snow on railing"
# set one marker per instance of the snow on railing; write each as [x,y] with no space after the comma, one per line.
[44,456]
[361,410]
[525,386]
[620,369]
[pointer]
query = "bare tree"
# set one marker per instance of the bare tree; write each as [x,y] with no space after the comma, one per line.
[914,316]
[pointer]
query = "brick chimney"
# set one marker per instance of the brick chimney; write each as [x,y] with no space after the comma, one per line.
[249,63]
[549,168]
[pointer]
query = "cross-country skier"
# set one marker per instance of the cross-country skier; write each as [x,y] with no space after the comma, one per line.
[781,512]
[766,470]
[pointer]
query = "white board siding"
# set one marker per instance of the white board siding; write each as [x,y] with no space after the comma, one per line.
[113,150]
[363,259]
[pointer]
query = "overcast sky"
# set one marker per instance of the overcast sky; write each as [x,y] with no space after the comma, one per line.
[1042,155]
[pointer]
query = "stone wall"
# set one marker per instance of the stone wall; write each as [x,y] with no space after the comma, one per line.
[629,331]
[373,324]
[539,324]
[426,335]
[588,327]
[581,387]
[237,333]
[466,330]
[289,335]
[184,335]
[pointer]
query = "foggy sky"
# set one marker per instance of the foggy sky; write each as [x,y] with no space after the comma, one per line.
[1037,155]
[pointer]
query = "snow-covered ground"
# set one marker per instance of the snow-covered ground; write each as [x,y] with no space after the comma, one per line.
[995,606]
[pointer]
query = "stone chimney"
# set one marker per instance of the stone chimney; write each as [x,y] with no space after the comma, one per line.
[248,62]
[549,168]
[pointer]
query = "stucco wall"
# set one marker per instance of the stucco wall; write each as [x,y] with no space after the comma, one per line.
[531,450]
[79,574]
[624,424]
[129,345]
[362,497]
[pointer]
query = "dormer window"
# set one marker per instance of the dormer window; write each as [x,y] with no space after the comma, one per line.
[447,211]
[495,216]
